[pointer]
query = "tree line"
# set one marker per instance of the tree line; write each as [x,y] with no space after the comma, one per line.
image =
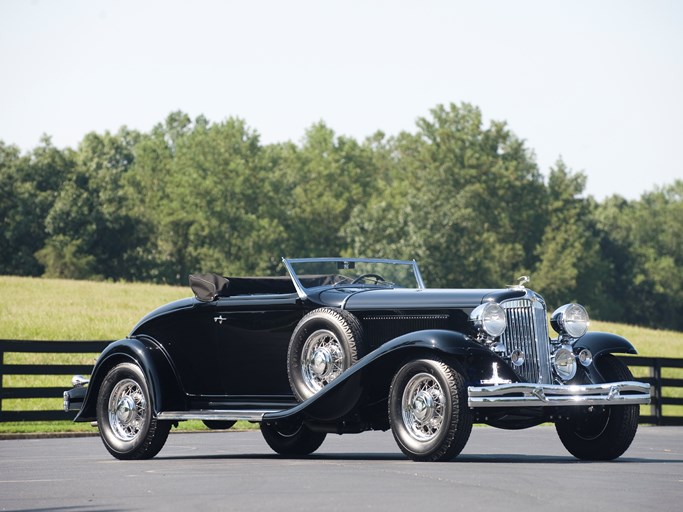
[464,198]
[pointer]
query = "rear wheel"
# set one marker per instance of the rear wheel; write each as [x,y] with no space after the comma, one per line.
[218,424]
[428,410]
[125,415]
[292,440]
[597,432]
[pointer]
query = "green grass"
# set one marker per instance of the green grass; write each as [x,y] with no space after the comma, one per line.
[56,309]
[652,343]
[648,342]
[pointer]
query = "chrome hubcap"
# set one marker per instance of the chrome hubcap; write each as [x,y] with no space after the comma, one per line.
[322,360]
[127,409]
[423,407]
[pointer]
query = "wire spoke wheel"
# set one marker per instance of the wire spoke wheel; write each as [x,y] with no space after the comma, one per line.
[424,406]
[323,360]
[324,344]
[125,416]
[428,411]
[127,409]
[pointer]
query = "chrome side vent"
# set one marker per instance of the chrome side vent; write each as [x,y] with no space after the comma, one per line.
[527,332]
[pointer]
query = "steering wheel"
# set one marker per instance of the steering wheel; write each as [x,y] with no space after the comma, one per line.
[376,277]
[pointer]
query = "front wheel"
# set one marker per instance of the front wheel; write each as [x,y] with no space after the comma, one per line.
[292,440]
[599,432]
[125,415]
[428,410]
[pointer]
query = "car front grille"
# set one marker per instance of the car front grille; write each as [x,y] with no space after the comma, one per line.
[527,331]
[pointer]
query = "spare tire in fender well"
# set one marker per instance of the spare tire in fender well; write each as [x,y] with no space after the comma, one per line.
[325,343]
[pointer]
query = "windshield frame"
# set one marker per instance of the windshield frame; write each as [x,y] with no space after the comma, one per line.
[301,290]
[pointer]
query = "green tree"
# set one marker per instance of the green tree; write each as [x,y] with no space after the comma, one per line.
[204,192]
[643,240]
[571,267]
[91,232]
[464,198]
[29,186]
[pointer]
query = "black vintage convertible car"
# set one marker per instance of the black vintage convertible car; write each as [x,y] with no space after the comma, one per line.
[347,345]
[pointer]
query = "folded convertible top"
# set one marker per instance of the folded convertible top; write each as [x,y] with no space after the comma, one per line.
[208,287]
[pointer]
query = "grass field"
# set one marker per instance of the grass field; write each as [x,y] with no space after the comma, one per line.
[54,309]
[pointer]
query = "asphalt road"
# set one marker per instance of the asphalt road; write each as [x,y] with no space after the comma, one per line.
[498,470]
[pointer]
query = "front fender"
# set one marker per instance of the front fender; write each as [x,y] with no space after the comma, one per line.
[164,385]
[600,343]
[368,380]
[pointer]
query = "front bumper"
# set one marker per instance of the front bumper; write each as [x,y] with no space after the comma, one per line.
[551,395]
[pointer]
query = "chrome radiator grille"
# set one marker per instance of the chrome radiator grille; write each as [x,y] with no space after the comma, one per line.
[527,331]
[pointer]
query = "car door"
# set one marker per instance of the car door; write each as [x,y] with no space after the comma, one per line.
[251,337]
[187,336]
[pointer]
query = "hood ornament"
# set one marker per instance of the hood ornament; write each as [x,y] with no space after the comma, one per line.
[522,280]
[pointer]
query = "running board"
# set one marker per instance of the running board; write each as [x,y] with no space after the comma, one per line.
[220,414]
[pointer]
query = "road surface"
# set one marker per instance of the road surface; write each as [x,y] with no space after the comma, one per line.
[498,470]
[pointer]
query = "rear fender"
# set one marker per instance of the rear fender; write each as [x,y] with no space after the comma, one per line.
[165,388]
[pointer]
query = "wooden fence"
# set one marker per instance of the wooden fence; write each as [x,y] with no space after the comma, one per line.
[655,366]
[42,347]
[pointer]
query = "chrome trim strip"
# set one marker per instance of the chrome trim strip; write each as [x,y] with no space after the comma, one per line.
[407,317]
[297,284]
[418,276]
[546,395]
[248,415]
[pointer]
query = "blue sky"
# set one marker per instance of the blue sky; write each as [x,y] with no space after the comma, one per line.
[598,83]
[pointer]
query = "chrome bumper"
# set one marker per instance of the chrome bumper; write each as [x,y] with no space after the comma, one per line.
[73,399]
[548,395]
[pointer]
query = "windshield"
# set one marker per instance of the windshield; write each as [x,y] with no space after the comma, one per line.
[358,272]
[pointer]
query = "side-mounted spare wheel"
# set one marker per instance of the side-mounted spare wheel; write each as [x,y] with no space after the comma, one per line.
[325,342]
[598,432]
[125,415]
[428,410]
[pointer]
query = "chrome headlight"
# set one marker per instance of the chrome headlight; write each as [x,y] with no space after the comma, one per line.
[564,362]
[570,319]
[489,318]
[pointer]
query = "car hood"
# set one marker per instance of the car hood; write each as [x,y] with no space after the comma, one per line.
[354,299]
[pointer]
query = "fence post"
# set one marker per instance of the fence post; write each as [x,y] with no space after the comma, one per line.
[2,374]
[656,405]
